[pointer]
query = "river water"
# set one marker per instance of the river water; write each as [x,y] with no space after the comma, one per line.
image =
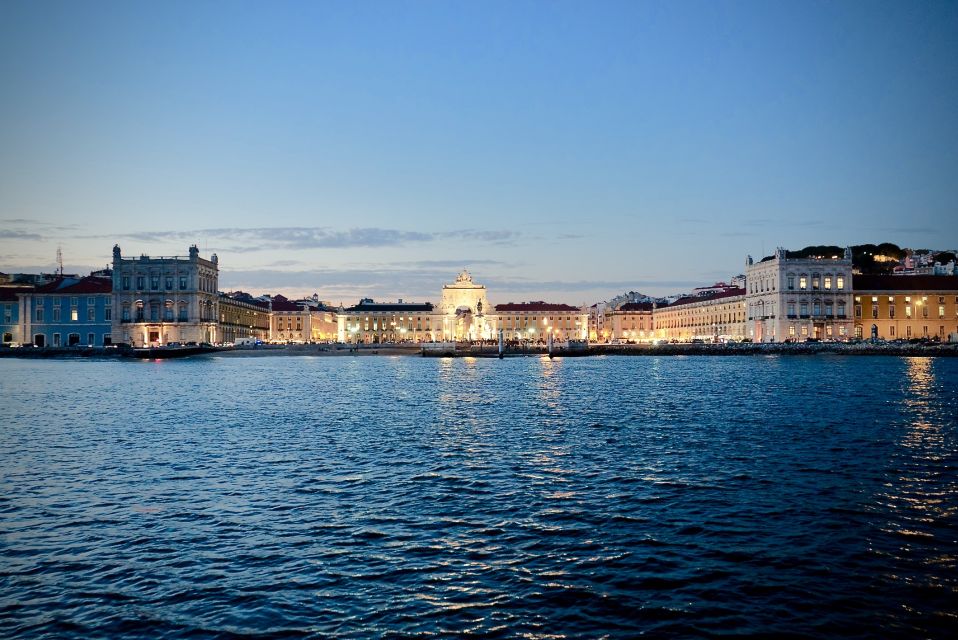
[356,497]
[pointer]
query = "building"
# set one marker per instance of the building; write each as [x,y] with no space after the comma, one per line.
[376,322]
[905,307]
[68,312]
[631,322]
[11,330]
[165,299]
[716,316]
[243,316]
[463,310]
[791,299]
[536,320]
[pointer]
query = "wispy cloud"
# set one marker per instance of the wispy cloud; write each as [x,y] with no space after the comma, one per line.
[245,240]
[9,234]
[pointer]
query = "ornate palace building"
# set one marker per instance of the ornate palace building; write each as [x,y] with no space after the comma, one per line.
[796,299]
[906,307]
[165,299]
[373,322]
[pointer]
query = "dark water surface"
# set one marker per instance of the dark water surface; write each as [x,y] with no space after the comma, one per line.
[408,497]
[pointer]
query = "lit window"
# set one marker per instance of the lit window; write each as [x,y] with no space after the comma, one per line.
[803,283]
[840,282]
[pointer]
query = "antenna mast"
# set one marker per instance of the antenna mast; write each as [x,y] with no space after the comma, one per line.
[60,260]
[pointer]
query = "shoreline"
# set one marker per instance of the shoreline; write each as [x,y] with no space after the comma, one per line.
[491,351]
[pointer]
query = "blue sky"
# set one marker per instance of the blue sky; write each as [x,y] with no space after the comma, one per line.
[566,151]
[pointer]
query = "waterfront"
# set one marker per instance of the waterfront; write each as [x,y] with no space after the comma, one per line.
[362,497]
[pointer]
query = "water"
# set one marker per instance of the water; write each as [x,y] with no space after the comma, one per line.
[347,497]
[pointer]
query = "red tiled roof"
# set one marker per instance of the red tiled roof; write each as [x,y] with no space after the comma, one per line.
[636,306]
[281,303]
[730,293]
[905,283]
[535,306]
[73,286]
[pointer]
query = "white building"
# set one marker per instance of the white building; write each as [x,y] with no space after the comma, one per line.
[799,298]
[165,299]
[463,310]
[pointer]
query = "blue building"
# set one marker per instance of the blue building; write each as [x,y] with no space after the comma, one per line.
[68,312]
[10,330]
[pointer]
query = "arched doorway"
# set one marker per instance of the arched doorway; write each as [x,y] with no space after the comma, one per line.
[40,340]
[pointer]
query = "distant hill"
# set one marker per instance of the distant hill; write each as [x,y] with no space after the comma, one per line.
[869,258]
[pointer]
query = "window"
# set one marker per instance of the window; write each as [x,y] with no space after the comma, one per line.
[891,311]
[126,283]
[817,307]
[91,314]
[56,302]
[90,301]
[7,313]
[140,283]
[841,331]
[839,282]
[804,308]
[815,281]
[828,308]
[169,282]
[908,331]
[73,339]
[74,314]
[108,313]
[891,331]
[791,283]
[803,283]
[8,337]
[90,339]
[183,313]
[828,282]
[126,313]
[907,310]
[38,316]
[154,282]
[805,330]
[941,311]
[56,339]
[874,311]
[73,301]
[182,282]
[56,314]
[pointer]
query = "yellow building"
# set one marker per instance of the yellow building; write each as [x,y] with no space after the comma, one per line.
[905,307]
[631,322]
[536,320]
[243,316]
[374,322]
[714,317]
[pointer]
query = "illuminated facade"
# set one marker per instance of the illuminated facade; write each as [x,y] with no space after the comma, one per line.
[713,317]
[165,299]
[374,322]
[243,316]
[795,299]
[631,322]
[463,310]
[906,307]
[536,320]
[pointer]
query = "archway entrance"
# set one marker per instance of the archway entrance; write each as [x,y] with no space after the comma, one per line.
[40,340]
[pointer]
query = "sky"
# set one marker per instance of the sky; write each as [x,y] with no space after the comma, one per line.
[566,151]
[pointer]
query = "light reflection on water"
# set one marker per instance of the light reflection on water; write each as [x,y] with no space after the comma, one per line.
[358,497]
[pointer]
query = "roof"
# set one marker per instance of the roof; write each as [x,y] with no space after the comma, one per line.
[636,306]
[536,306]
[392,306]
[728,293]
[9,294]
[74,286]
[905,283]
[281,303]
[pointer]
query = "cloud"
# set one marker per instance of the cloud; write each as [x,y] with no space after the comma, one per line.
[9,234]
[245,240]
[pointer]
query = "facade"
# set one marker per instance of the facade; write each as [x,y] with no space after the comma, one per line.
[375,322]
[795,299]
[11,330]
[534,321]
[243,316]
[713,317]
[906,307]
[631,322]
[463,310]
[289,321]
[68,312]
[165,299]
